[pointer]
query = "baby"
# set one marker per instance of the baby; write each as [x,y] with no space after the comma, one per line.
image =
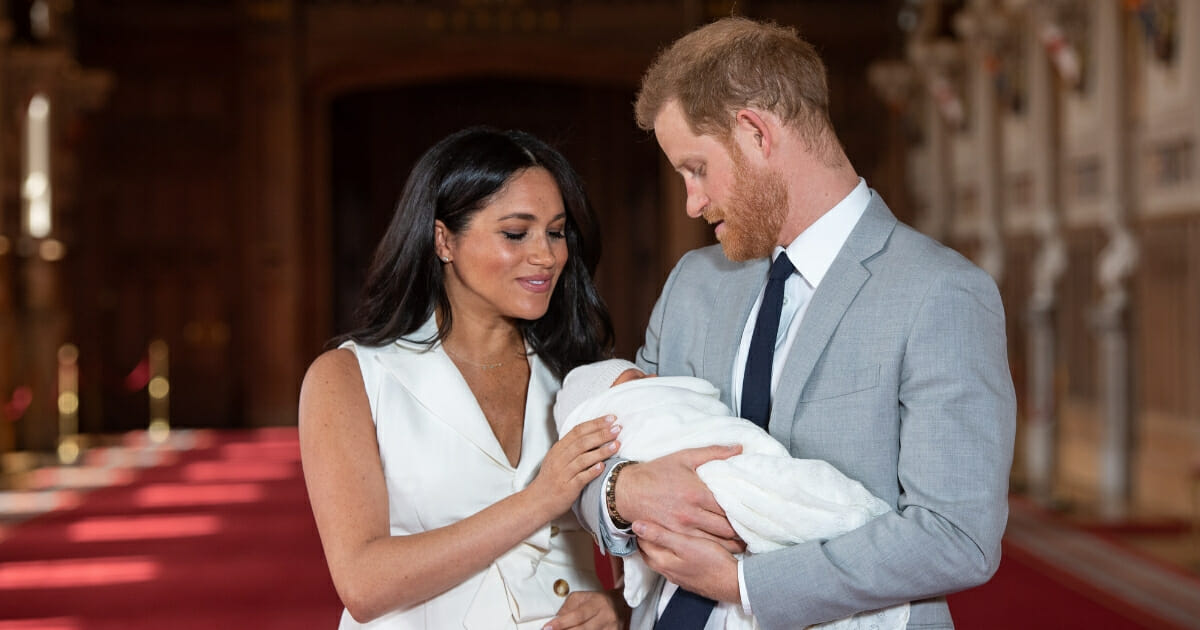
[771,499]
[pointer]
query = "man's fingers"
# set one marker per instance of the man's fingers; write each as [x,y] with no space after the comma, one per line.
[662,538]
[727,539]
[659,547]
[734,546]
[715,525]
[714,528]
[689,561]
[655,534]
[697,456]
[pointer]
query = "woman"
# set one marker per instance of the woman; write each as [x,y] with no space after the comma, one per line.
[428,447]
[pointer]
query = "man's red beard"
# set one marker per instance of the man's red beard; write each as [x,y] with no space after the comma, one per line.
[753,214]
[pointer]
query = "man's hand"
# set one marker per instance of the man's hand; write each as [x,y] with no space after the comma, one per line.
[668,492]
[697,564]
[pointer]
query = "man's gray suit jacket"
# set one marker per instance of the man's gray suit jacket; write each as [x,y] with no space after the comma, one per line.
[899,377]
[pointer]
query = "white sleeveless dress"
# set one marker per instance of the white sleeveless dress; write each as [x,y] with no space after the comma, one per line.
[442,463]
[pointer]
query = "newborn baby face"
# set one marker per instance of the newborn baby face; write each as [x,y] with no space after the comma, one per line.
[632,374]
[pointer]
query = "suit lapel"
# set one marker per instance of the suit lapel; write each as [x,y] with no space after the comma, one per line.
[736,297]
[829,303]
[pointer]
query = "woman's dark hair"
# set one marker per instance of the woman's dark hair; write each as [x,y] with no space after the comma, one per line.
[452,182]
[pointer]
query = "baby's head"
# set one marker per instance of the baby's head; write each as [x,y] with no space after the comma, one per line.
[632,374]
[588,380]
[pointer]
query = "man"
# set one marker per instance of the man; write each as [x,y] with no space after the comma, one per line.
[869,346]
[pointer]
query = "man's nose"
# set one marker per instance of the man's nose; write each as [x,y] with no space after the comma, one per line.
[697,201]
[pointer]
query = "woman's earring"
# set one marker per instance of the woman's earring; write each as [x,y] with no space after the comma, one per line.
[445,259]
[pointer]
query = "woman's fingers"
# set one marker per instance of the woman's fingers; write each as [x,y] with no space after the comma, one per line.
[576,459]
[594,433]
[573,613]
[593,441]
[586,610]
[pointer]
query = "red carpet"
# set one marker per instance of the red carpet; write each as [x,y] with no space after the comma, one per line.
[1029,594]
[221,536]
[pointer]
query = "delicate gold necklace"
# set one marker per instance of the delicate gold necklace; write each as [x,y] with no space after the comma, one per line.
[482,366]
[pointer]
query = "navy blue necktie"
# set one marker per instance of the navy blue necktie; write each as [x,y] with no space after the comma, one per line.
[756,382]
[687,610]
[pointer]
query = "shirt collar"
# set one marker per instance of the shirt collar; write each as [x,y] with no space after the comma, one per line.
[813,251]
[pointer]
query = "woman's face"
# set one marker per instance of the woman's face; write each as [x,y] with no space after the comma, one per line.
[507,260]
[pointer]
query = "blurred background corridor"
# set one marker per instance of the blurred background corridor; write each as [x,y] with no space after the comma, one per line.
[192,190]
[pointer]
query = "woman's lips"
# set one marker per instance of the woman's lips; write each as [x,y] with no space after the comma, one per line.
[537,284]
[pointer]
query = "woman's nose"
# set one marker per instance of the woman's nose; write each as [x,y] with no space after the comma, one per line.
[541,251]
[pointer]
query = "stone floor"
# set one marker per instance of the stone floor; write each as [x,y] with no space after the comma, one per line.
[1162,519]
[1148,572]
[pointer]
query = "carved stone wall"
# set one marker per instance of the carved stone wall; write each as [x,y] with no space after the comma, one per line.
[1099,107]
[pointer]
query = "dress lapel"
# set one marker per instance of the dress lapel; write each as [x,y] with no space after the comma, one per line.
[829,303]
[539,431]
[738,292]
[432,379]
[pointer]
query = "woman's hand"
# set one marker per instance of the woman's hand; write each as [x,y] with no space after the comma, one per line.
[591,610]
[574,460]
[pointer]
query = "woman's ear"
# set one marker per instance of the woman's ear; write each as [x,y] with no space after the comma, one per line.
[441,238]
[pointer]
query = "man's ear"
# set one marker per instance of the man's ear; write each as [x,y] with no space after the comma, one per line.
[754,133]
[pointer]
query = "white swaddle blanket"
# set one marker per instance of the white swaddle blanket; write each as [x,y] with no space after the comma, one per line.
[771,499]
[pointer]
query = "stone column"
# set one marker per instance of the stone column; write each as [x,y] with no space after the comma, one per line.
[1111,322]
[1116,263]
[981,25]
[43,328]
[935,62]
[42,320]
[1041,437]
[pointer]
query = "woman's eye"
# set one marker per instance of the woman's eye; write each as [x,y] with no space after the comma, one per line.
[557,233]
[514,236]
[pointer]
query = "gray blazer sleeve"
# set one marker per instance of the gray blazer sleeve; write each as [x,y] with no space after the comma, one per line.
[956,413]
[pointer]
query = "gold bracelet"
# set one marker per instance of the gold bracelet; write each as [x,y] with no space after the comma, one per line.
[610,496]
